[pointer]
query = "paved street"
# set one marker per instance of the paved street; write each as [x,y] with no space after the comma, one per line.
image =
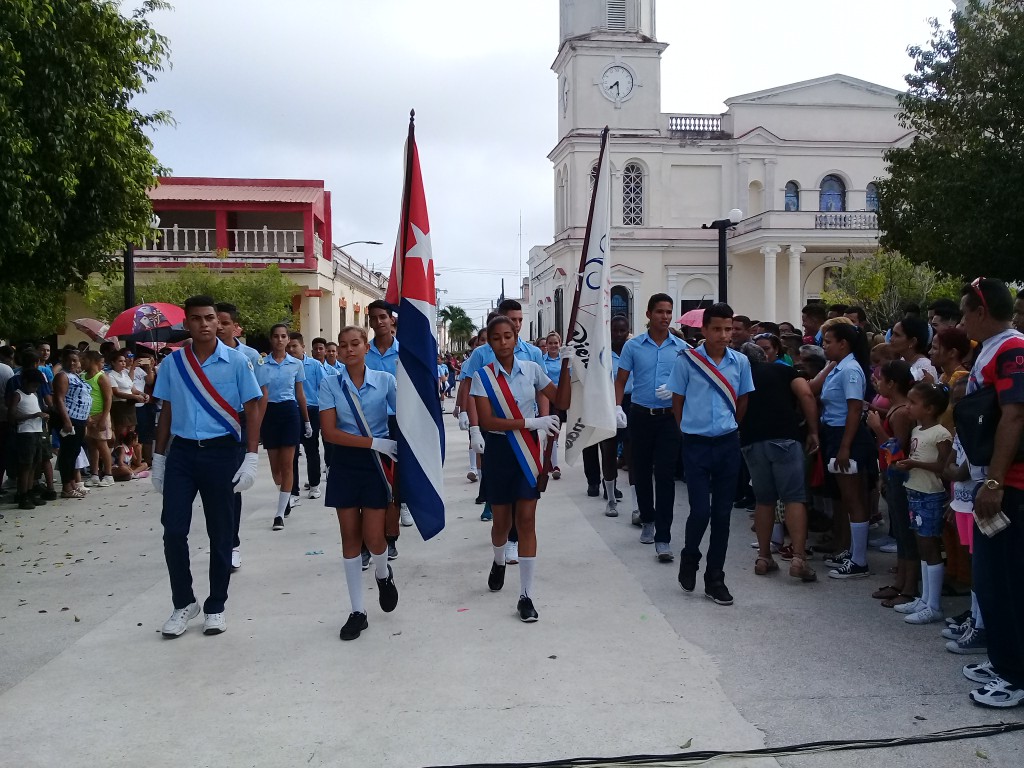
[621,662]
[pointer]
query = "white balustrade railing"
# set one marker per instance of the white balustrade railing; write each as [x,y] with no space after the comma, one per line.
[318,246]
[266,240]
[197,243]
[181,239]
[846,220]
[695,123]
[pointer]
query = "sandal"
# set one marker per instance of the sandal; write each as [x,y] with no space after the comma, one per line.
[799,569]
[765,565]
[72,494]
[900,599]
[885,593]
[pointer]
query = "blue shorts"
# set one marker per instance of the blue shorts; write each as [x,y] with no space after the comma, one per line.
[926,511]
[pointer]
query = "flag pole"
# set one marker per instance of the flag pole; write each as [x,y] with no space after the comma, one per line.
[403,237]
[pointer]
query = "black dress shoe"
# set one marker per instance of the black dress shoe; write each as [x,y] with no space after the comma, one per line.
[387,592]
[687,573]
[356,623]
[592,491]
[496,578]
[718,592]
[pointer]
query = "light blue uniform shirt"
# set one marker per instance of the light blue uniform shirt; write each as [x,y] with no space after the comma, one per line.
[844,382]
[483,355]
[442,370]
[705,411]
[524,380]
[230,374]
[651,366]
[333,370]
[376,397]
[250,354]
[387,362]
[315,373]
[280,378]
[553,368]
[628,389]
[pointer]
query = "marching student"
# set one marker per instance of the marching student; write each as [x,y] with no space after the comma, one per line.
[553,368]
[228,332]
[710,387]
[653,434]
[281,376]
[355,407]
[314,370]
[203,386]
[505,394]
[620,334]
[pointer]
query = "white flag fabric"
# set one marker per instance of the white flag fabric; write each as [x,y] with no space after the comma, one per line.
[592,411]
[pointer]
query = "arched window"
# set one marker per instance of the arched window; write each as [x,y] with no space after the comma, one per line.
[622,304]
[792,196]
[593,177]
[872,197]
[558,312]
[833,194]
[633,196]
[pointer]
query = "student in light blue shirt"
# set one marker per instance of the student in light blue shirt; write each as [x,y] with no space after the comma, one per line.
[285,419]
[332,365]
[709,388]
[361,458]
[383,351]
[315,372]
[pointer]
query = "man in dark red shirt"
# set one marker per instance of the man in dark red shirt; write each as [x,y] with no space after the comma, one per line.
[988,308]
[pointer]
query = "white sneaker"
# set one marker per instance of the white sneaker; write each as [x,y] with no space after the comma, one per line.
[926,615]
[176,625]
[93,481]
[236,559]
[81,487]
[214,624]
[314,492]
[296,500]
[405,517]
[511,553]
[106,482]
[913,606]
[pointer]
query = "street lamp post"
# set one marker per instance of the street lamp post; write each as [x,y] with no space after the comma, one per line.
[723,225]
[129,267]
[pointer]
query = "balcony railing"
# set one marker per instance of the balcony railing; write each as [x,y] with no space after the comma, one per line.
[847,221]
[197,244]
[852,220]
[708,126]
[345,263]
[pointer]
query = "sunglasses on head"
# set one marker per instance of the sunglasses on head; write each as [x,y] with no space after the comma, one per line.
[976,287]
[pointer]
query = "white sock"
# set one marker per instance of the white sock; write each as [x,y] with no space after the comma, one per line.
[354,581]
[859,543]
[925,591]
[282,502]
[380,564]
[527,565]
[472,460]
[935,574]
[554,454]
[609,489]
[976,611]
[777,535]
[499,554]
[632,495]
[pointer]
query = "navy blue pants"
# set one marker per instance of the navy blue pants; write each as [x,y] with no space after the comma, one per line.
[712,468]
[237,542]
[655,444]
[312,449]
[998,576]
[208,472]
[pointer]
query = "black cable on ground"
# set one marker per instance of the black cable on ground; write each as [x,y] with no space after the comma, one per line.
[807,748]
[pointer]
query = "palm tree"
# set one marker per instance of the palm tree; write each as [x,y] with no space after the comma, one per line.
[460,327]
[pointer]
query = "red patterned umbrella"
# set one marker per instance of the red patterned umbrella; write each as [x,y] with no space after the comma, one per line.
[94,329]
[145,318]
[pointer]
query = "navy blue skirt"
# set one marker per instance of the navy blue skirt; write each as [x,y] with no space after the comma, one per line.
[354,481]
[281,427]
[504,481]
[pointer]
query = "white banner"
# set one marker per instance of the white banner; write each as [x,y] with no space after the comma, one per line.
[592,411]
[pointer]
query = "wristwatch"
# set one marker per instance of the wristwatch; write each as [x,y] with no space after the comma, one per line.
[993,485]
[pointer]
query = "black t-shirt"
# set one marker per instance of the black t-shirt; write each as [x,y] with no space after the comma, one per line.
[772,408]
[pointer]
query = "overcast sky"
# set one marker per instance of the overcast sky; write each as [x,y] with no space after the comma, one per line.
[321,89]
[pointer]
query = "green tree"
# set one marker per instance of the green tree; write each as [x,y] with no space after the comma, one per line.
[75,157]
[28,312]
[883,283]
[951,197]
[263,296]
[460,326]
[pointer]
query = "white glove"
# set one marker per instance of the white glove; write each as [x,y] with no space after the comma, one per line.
[476,440]
[307,431]
[464,421]
[551,424]
[566,353]
[246,474]
[542,438]
[385,446]
[620,417]
[663,392]
[157,471]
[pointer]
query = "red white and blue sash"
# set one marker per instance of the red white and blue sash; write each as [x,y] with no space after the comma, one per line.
[385,467]
[524,444]
[205,393]
[714,377]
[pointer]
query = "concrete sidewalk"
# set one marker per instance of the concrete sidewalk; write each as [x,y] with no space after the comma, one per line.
[450,677]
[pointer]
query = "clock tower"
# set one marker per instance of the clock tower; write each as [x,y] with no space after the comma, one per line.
[608,66]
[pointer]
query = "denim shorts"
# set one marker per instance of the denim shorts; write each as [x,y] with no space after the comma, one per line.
[926,511]
[776,471]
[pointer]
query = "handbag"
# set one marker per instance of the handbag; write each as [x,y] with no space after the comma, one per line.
[976,417]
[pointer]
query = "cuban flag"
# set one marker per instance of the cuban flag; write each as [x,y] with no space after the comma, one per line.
[411,290]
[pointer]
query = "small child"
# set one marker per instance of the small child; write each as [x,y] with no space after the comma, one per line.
[930,447]
[27,415]
[128,463]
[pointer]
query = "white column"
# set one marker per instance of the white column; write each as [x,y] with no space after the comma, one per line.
[770,191]
[743,186]
[329,316]
[310,317]
[770,253]
[795,284]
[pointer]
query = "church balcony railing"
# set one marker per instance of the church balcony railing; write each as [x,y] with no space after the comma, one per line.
[847,221]
[704,126]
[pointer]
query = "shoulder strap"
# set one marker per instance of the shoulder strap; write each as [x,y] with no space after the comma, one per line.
[524,444]
[199,386]
[385,467]
[714,377]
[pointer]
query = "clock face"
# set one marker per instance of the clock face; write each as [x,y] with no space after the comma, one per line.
[617,83]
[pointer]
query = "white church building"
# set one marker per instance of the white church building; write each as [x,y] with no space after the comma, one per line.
[798,160]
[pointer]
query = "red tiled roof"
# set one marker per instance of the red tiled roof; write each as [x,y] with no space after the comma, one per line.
[235,194]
